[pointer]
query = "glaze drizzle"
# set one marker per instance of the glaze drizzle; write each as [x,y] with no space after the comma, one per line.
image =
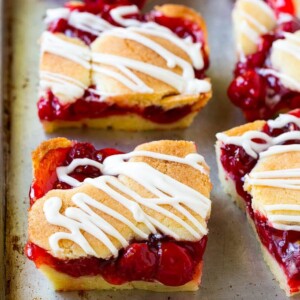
[123,68]
[251,140]
[165,189]
[281,216]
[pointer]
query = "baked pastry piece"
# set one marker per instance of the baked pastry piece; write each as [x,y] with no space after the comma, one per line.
[109,66]
[266,77]
[259,167]
[119,221]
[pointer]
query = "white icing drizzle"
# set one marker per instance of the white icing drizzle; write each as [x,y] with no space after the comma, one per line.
[253,148]
[280,149]
[285,79]
[139,32]
[89,22]
[62,85]
[132,81]
[264,6]
[165,189]
[249,32]
[77,53]
[291,46]
[118,13]
[53,14]
[287,44]
[285,179]
[261,27]
[277,178]
[183,85]
[84,21]
[253,33]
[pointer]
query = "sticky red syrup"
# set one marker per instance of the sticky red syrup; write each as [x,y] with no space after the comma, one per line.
[283,245]
[49,107]
[160,258]
[262,96]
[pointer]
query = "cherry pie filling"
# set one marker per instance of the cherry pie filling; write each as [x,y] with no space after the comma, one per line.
[49,107]
[283,245]
[259,95]
[160,258]
[282,6]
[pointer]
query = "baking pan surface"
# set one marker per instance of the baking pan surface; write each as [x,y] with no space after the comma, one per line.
[233,265]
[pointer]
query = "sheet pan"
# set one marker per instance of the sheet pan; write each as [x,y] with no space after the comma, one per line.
[233,265]
[2,156]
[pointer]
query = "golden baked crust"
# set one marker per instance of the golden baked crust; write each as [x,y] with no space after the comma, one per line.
[184,12]
[286,62]
[129,122]
[53,63]
[246,15]
[264,195]
[240,130]
[164,95]
[45,147]
[181,172]
[297,7]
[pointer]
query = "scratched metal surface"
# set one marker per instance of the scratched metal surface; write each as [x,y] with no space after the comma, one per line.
[233,269]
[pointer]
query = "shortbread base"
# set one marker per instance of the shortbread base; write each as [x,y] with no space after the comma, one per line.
[64,282]
[128,122]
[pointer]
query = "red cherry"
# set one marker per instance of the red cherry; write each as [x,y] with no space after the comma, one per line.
[247,90]
[81,150]
[282,6]
[175,265]
[295,112]
[290,26]
[138,262]
[295,102]
[59,25]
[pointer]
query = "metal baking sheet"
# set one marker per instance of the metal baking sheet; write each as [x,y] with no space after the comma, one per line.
[233,265]
[2,153]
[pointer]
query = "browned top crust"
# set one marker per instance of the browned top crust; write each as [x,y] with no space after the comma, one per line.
[184,12]
[163,95]
[264,195]
[181,172]
[286,62]
[240,130]
[39,153]
[251,20]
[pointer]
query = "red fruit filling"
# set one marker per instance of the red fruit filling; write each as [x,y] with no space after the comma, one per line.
[283,245]
[160,258]
[262,96]
[282,6]
[49,107]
